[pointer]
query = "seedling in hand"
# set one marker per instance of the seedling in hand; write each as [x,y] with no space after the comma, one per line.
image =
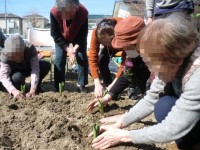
[96,130]
[61,86]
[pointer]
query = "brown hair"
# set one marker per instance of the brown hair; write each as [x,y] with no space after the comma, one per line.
[106,27]
[175,34]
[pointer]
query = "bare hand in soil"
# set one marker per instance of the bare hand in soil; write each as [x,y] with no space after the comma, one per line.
[110,136]
[31,93]
[95,103]
[18,94]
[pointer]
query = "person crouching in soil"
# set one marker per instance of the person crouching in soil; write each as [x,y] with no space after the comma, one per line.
[19,60]
[99,58]
[170,47]
[135,70]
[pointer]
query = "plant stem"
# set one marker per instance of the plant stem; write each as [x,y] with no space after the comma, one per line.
[96,130]
[23,88]
[100,106]
[61,85]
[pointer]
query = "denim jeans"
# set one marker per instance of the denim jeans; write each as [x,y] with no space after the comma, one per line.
[18,77]
[60,63]
[162,108]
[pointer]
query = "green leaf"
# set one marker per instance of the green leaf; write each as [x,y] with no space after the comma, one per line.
[105,92]
[96,130]
[23,88]
[100,106]
[61,86]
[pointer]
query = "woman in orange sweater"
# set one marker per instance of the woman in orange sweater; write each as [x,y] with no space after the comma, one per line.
[99,58]
[135,70]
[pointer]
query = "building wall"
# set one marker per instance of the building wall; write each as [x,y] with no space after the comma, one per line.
[14,25]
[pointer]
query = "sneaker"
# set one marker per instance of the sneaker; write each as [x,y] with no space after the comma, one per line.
[81,88]
[133,93]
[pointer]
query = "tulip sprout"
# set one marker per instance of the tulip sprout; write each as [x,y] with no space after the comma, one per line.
[23,88]
[61,86]
[100,106]
[105,92]
[96,130]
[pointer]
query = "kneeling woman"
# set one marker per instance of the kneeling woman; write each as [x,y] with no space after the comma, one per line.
[19,60]
[169,47]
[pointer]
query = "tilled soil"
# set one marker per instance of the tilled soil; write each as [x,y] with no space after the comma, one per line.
[53,121]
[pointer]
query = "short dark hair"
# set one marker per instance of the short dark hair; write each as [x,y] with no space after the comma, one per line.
[105,26]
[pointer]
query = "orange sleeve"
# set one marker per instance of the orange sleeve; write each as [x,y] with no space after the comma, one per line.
[93,56]
[121,67]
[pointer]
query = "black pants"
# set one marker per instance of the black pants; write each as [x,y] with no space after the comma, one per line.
[18,77]
[104,59]
[140,77]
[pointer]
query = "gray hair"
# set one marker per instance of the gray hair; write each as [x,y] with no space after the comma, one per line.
[175,33]
[66,3]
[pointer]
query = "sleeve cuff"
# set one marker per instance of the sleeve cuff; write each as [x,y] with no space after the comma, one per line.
[150,13]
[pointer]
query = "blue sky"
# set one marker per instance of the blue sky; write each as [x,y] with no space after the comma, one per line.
[42,7]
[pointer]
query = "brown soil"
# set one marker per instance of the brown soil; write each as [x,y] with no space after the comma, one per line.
[51,121]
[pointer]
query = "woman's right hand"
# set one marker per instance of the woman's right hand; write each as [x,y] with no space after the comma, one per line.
[18,94]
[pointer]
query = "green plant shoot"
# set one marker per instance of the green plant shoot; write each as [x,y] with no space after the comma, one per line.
[105,92]
[61,86]
[23,88]
[96,130]
[100,106]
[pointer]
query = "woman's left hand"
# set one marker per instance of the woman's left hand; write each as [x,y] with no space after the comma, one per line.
[31,93]
[110,137]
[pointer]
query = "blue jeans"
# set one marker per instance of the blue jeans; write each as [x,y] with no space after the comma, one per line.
[60,62]
[162,108]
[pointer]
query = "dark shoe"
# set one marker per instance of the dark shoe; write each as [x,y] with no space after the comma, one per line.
[39,90]
[133,93]
[81,88]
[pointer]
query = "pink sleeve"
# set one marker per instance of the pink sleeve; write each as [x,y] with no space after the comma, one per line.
[35,72]
[5,77]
